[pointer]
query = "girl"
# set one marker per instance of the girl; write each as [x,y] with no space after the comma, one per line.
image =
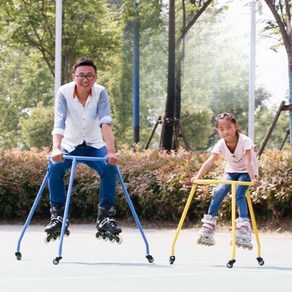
[238,150]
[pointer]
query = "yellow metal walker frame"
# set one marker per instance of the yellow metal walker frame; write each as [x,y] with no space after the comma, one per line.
[233,216]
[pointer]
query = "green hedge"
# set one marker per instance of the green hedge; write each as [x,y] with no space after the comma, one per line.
[158,183]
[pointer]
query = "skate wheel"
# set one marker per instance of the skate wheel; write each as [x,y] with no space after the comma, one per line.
[67,232]
[48,238]
[97,235]
[112,239]
[207,243]
[119,239]
[18,255]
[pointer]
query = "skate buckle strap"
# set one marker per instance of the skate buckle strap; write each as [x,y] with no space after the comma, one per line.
[104,221]
[59,218]
[113,222]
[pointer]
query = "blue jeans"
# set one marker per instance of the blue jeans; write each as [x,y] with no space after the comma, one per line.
[222,190]
[106,171]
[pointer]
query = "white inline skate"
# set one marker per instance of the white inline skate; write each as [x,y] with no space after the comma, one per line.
[243,233]
[208,230]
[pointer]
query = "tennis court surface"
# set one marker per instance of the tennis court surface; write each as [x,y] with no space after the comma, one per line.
[89,264]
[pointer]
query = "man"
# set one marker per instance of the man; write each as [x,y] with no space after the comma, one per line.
[82,127]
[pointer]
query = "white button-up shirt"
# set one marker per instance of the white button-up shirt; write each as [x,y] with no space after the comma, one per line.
[77,123]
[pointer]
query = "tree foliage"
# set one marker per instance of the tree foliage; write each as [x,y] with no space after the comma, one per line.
[32,24]
[34,128]
[281,10]
[119,77]
[103,30]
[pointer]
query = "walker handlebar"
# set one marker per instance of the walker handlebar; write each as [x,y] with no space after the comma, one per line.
[226,182]
[83,158]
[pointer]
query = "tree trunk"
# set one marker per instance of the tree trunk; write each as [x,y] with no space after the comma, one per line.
[284,25]
[169,118]
[290,101]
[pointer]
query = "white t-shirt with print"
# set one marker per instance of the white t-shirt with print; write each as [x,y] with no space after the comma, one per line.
[235,161]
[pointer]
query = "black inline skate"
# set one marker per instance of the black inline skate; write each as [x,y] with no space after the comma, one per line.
[107,227]
[53,229]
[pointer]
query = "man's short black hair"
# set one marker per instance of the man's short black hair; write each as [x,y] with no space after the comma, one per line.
[84,62]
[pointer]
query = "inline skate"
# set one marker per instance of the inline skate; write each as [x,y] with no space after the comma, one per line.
[208,230]
[53,229]
[107,227]
[243,233]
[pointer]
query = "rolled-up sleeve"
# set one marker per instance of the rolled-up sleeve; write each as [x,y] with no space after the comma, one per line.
[103,109]
[60,114]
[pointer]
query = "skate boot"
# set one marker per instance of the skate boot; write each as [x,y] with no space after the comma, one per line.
[53,229]
[243,233]
[207,231]
[107,227]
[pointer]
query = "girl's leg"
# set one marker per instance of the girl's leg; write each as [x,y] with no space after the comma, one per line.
[243,228]
[240,196]
[219,194]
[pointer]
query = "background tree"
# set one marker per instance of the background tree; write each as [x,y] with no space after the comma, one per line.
[87,30]
[281,10]
[26,83]
[213,60]
[214,72]
[119,76]
[27,53]
[171,121]
[34,128]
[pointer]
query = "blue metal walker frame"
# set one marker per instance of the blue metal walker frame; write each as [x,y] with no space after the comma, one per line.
[75,159]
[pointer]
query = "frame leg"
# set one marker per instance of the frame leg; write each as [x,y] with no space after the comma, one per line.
[128,199]
[254,227]
[233,217]
[30,215]
[181,222]
[66,211]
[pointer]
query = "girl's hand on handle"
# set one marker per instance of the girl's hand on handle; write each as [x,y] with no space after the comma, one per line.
[255,182]
[194,178]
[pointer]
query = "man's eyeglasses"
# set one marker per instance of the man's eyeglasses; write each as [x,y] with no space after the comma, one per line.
[229,116]
[83,76]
